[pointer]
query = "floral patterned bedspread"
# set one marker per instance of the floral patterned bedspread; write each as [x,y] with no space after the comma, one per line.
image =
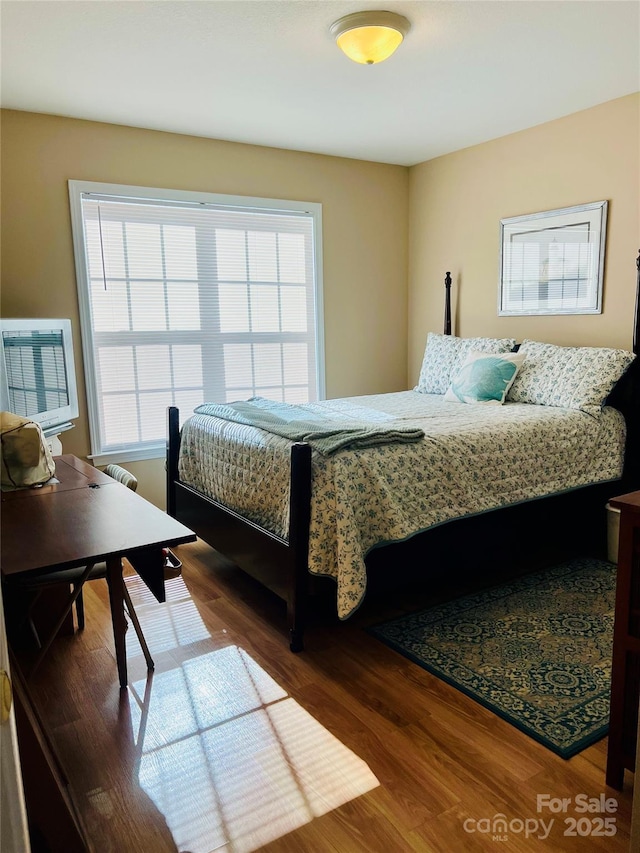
[472,459]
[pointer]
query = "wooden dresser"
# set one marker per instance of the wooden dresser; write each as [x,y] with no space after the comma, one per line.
[625,676]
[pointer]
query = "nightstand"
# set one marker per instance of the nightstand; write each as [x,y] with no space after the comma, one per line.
[625,675]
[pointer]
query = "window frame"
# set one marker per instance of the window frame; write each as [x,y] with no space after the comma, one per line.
[76,190]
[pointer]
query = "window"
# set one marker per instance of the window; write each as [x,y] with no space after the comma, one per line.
[191,297]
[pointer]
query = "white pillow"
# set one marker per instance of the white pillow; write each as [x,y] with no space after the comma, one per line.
[444,355]
[570,377]
[484,378]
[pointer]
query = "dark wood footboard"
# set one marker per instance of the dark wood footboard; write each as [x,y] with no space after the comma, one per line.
[282,565]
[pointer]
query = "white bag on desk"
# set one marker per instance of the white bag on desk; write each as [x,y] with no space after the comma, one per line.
[26,458]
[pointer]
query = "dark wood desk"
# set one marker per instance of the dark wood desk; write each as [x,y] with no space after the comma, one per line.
[86,518]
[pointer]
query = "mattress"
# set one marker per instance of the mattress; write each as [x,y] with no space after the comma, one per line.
[472,459]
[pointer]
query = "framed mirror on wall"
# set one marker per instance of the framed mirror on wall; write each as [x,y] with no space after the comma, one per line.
[552,262]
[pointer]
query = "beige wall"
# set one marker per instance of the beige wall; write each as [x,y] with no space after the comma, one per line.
[457,201]
[365,209]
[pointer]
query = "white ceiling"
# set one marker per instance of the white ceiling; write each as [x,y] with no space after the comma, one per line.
[269,73]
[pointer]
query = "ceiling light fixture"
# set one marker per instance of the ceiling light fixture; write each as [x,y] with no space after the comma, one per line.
[370,37]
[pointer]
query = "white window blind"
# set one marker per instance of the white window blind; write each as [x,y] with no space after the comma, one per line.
[186,300]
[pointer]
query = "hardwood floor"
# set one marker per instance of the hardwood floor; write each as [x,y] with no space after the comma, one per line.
[235,744]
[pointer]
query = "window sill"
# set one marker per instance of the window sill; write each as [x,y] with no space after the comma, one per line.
[136,455]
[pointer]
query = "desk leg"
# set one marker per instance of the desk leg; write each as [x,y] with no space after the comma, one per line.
[116,600]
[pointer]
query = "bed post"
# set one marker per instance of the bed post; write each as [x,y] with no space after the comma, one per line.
[299,518]
[173,446]
[636,322]
[447,304]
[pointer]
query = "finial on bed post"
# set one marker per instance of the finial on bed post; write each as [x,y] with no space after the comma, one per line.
[447,304]
[636,322]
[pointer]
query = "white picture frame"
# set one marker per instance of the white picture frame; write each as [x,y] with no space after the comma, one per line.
[553,262]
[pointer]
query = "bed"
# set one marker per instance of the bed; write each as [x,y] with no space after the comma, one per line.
[286,511]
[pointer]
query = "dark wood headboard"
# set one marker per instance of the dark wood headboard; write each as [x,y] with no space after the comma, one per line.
[626,398]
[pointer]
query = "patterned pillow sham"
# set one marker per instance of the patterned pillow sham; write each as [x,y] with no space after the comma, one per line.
[569,377]
[484,378]
[444,355]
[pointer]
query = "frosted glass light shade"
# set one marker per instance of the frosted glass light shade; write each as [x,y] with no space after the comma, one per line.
[370,37]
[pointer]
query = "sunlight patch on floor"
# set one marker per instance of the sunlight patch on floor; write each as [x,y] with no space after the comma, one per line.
[230,759]
[165,626]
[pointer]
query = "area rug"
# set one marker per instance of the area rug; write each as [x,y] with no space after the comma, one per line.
[535,651]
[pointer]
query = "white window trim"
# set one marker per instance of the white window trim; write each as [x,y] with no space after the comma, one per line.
[77,189]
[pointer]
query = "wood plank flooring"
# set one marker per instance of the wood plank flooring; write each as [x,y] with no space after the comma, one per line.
[235,744]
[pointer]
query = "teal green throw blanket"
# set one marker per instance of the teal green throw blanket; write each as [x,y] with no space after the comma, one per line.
[326,431]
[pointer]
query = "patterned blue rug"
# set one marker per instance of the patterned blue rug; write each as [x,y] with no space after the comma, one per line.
[536,651]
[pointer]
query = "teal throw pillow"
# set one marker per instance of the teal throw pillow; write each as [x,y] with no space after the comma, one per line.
[484,378]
